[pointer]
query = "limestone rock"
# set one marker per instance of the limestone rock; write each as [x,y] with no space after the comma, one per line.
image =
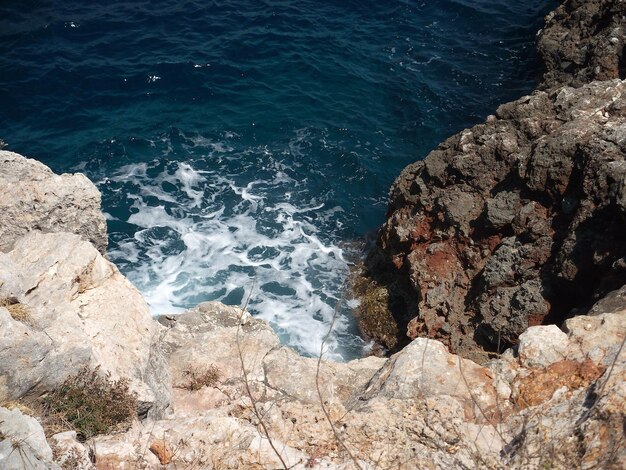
[81,311]
[69,453]
[596,337]
[205,441]
[539,386]
[566,425]
[424,406]
[499,227]
[295,376]
[23,443]
[426,369]
[541,346]
[32,197]
[205,337]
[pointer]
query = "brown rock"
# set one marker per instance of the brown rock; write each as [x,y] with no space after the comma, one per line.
[162,450]
[517,221]
[540,385]
[501,228]
[583,40]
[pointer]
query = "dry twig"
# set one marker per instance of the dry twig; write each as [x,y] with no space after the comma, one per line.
[246,383]
[317,384]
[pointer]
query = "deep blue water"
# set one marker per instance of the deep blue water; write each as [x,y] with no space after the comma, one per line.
[249,139]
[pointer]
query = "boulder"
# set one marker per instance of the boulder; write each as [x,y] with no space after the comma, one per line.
[423,406]
[426,369]
[541,346]
[520,220]
[537,233]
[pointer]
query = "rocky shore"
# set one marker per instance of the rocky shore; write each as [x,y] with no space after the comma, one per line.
[493,243]
[518,221]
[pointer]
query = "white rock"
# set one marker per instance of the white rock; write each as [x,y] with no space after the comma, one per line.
[69,453]
[295,376]
[83,312]
[425,368]
[540,346]
[596,337]
[23,443]
[32,197]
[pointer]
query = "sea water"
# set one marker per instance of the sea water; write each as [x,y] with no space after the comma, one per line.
[248,146]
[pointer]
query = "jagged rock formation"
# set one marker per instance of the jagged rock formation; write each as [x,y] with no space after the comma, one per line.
[517,221]
[583,40]
[32,197]
[499,220]
[205,377]
[559,401]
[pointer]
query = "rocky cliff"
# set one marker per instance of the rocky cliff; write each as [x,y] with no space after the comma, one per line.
[504,217]
[214,388]
[519,221]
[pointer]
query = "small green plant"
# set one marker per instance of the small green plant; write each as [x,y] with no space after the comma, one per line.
[92,403]
[196,379]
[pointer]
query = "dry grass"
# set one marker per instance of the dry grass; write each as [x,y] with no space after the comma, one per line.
[24,409]
[196,379]
[17,310]
[91,404]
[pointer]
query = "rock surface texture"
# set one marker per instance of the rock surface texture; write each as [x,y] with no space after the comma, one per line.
[518,221]
[34,198]
[422,408]
[23,443]
[505,226]
[63,307]
[216,389]
[583,40]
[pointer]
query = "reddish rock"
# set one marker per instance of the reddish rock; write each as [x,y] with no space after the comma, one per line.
[162,450]
[539,386]
[519,221]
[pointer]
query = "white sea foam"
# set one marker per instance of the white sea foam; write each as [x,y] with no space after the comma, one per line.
[204,233]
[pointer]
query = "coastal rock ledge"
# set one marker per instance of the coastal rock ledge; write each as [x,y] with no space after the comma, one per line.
[214,388]
[89,380]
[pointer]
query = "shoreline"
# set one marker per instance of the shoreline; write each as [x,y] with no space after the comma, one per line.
[509,209]
[214,388]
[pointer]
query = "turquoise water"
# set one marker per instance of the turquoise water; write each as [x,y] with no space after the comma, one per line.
[250,144]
